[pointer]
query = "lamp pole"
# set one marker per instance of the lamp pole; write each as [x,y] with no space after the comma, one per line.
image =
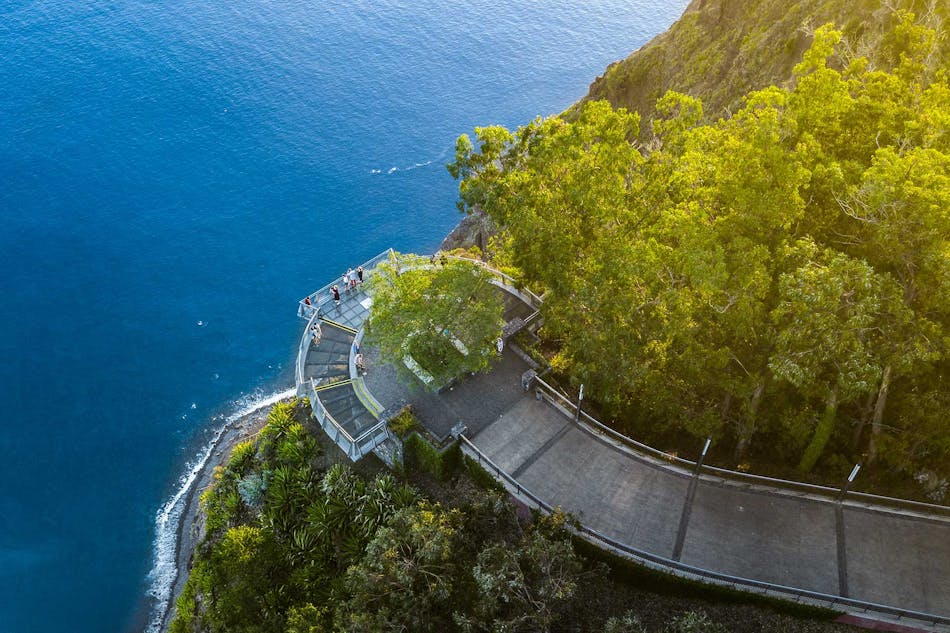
[847,484]
[688,503]
[702,456]
[580,400]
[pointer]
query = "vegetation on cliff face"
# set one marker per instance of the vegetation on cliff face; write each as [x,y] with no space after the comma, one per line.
[296,544]
[777,278]
[720,50]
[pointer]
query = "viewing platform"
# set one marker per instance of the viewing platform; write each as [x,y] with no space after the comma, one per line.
[326,361]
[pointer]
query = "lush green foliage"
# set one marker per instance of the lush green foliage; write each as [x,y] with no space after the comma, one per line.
[404,423]
[779,276]
[723,49]
[328,550]
[324,549]
[445,315]
[420,455]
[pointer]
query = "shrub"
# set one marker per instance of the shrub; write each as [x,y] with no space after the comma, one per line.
[694,622]
[421,456]
[252,488]
[629,623]
[482,478]
[242,457]
[404,423]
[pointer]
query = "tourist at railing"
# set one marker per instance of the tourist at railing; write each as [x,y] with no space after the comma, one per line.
[315,333]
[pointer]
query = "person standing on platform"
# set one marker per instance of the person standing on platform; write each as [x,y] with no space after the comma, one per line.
[359,273]
[336,294]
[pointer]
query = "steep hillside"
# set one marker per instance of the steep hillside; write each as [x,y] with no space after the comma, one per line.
[722,49]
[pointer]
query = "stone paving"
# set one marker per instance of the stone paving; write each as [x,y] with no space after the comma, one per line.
[476,401]
[769,535]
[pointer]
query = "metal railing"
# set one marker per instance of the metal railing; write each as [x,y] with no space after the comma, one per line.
[323,296]
[698,573]
[595,427]
[306,339]
[510,282]
[354,447]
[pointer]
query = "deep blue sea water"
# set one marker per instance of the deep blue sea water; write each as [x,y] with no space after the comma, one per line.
[174,176]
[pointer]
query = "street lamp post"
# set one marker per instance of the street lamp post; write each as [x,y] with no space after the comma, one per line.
[847,484]
[580,400]
[702,457]
[688,503]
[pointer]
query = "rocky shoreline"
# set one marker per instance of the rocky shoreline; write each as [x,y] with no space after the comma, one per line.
[190,530]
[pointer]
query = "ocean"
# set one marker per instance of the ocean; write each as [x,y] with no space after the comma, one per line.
[174,176]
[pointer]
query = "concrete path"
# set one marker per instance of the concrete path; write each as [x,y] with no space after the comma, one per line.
[872,555]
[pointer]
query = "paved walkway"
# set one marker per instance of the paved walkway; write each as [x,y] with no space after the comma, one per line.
[766,534]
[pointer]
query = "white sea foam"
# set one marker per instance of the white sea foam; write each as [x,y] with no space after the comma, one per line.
[167,519]
[394,169]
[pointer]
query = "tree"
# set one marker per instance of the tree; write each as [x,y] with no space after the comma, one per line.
[443,317]
[405,580]
[830,317]
[671,288]
[526,588]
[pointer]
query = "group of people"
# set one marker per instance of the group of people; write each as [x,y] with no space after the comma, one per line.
[349,281]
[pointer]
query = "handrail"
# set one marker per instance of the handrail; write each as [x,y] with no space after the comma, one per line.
[370,431]
[535,299]
[419,261]
[719,577]
[315,397]
[571,407]
[748,478]
[305,340]
[321,297]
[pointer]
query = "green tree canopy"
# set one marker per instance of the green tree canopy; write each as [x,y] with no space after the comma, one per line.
[772,274]
[441,316]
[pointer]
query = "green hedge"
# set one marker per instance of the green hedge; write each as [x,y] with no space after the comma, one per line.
[482,478]
[420,456]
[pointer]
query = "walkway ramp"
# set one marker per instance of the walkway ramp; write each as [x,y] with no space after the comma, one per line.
[344,405]
[783,537]
[329,360]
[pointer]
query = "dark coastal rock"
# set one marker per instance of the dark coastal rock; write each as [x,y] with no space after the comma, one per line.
[474,229]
